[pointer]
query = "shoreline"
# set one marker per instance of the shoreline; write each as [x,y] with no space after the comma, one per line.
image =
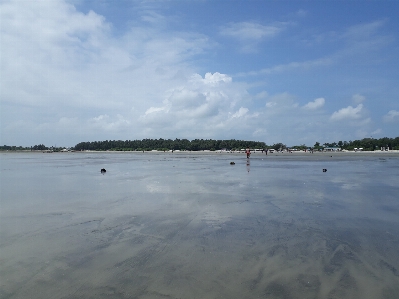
[294,153]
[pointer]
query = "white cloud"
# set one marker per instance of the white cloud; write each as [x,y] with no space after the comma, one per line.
[67,121]
[392,116]
[363,122]
[305,65]
[281,102]
[316,104]
[364,30]
[240,113]
[212,97]
[250,33]
[376,132]
[356,41]
[155,110]
[56,54]
[216,78]
[62,62]
[250,30]
[357,98]
[301,13]
[104,122]
[153,18]
[42,43]
[261,95]
[348,113]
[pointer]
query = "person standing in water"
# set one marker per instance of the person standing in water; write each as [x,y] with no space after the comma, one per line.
[248,152]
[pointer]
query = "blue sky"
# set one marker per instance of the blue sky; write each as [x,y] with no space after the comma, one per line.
[295,72]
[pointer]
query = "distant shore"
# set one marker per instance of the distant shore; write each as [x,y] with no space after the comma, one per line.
[257,153]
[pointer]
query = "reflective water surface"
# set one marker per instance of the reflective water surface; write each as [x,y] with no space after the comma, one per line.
[189,225]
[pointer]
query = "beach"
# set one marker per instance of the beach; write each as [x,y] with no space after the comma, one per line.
[191,225]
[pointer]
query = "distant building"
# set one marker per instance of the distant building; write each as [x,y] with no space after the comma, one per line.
[332,149]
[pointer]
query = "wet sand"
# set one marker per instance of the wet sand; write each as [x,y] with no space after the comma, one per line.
[194,226]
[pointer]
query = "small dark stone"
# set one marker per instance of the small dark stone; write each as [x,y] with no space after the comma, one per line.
[103,170]
[324,170]
[232,163]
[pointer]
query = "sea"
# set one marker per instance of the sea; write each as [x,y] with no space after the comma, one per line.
[195,225]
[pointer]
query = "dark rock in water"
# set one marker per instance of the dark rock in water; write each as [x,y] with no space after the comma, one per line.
[232,163]
[324,170]
[103,170]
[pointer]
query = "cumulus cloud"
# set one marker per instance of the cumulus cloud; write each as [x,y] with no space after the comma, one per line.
[213,97]
[240,113]
[348,113]
[392,116]
[316,104]
[42,42]
[216,78]
[68,63]
[56,54]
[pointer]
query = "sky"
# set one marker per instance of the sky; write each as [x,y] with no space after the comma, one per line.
[296,72]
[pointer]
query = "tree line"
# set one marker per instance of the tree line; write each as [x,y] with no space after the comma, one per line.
[168,144]
[368,144]
[37,147]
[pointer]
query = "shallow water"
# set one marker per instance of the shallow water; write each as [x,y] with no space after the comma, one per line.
[193,226]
